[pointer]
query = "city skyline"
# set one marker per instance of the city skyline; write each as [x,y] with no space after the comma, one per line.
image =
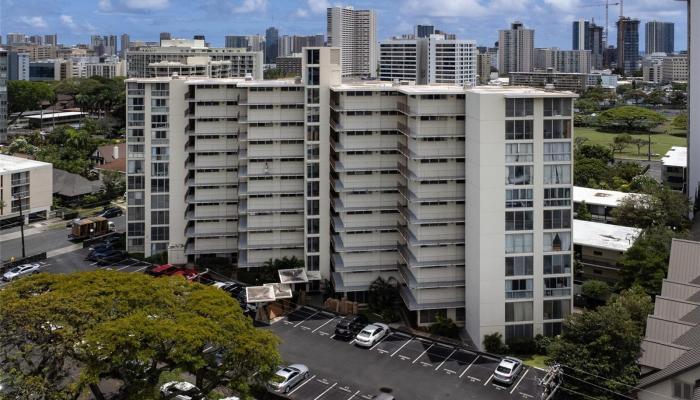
[74,22]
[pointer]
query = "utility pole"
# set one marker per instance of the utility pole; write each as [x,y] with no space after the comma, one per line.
[551,381]
[21,225]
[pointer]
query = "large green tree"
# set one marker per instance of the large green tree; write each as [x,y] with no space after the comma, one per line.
[25,96]
[659,206]
[630,119]
[605,342]
[63,335]
[646,262]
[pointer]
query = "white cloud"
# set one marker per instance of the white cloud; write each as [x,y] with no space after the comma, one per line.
[132,5]
[564,5]
[318,6]
[67,20]
[34,22]
[301,13]
[249,6]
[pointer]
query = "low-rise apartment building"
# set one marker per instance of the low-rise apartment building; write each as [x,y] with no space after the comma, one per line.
[558,80]
[674,168]
[25,184]
[600,203]
[598,247]
[364,180]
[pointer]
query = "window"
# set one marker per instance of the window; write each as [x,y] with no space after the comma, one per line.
[518,198]
[160,201]
[557,129]
[135,228]
[556,309]
[160,217]
[552,328]
[134,166]
[519,175]
[682,390]
[159,169]
[312,133]
[312,151]
[519,130]
[557,197]
[518,220]
[312,244]
[312,263]
[558,286]
[160,233]
[516,266]
[312,207]
[136,213]
[556,174]
[134,198]
[519,243]
[557,151]
[460,314]
[518,152]
[312,56]
[557,219]
[312,170]
[557,264]
[312,225]
[513,331]
[519,311]
[160,153]
[160,185]
[557,241]
[557,107]
[519,289]
[312,95]
[431,316]
[519,107]
[135,182]
[312,188]
[313,77]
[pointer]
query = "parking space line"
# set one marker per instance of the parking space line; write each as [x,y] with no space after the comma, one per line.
[304,320]
[351,397]
[421,354]
[141,269]
[325,391]
[352,341]
[488,380]
[469,366]
[333,319]
[377,344]
[402,346]
[303,383]
[520,380]
[443,361]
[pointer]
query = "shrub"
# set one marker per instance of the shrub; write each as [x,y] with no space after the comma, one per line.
[522,345]
[445,327]
[493,343]
[542,343]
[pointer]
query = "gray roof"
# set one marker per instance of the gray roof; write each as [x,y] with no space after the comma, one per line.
[71,185]
[672,342]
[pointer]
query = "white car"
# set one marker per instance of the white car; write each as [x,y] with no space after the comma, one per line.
[181,391]
[21,270]
[371,334]
[288,377]
[507,370]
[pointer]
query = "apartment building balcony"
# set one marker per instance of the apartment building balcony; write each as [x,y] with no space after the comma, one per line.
[418,107]
[373,142]
[223,211]
[245,207]
[439,218]
[275,242]
[373,201]
[410,280]
[274,133]
[254,223]
[361,222]
[215,128]
[431,172]
[341,265]
[339,166]
[212,196]
[211,245]
[220,111]
[426,240]
[424,129]
[414,304]
[425,150]
[212,178]
[340,246]
[216,95]
[250,188]
[275,150]
[340,286]
[257,257]
[451,191]
[246,172]
[229,231]
[227,145]
[340,206]
[220,160]
[430,260]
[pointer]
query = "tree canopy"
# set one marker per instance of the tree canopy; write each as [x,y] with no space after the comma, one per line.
[64,335]
[657,206]
[605,342]
[629,118]
[24,96]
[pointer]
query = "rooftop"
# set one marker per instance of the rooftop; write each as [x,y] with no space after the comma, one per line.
[49,115]
[604,236]
[599,197]
[18,164]
[677,156]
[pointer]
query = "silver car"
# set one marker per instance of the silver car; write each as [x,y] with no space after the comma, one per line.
[288,377]
[21,270]
[371,334]
[507,370]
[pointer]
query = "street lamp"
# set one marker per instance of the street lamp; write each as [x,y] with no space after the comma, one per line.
[21,225]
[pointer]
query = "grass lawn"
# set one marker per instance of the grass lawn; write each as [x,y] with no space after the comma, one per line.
[534,360]
[660,142]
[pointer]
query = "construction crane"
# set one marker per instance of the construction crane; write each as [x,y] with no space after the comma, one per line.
[607,5]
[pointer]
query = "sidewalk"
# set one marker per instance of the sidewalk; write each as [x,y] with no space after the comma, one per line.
[32,229]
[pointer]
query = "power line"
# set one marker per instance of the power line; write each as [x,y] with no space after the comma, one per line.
[600,387]
[618,382]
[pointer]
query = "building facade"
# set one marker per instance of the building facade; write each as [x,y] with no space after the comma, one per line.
[627,44]
[363,180]
[271,45]
[558,80]
[570,61]
[242,62]
[693,101]
[674,69]
[586,35]
[4,107]
[27,184]
[403,59]
[659,37]
[355,32]
[290,65]
[516,49]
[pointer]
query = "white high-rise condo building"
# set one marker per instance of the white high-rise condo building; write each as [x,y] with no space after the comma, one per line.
[355,32]
[515,49]
[142,61]
[567,61]
[403,60]
[364,180]
[4,107]
[694,101]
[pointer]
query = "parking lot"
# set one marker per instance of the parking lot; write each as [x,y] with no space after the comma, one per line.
[410,367]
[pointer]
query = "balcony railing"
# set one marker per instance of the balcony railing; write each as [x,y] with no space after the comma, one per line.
[562,292]
[519,294]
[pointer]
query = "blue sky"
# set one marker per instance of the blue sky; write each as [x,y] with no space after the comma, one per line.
[75,20]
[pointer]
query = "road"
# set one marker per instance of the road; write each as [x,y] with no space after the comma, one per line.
[45,241]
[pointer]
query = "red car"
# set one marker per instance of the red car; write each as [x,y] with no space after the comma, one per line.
[173,270]
[161,270]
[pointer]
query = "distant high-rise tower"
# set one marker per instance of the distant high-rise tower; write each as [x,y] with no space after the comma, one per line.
[424,31]
[659,37]
[125,42]
[587,35]
[51,40]
[627,44]
[272,37]
[164,36]
[516,49]
[236,42]
[199,37]
[355,32]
